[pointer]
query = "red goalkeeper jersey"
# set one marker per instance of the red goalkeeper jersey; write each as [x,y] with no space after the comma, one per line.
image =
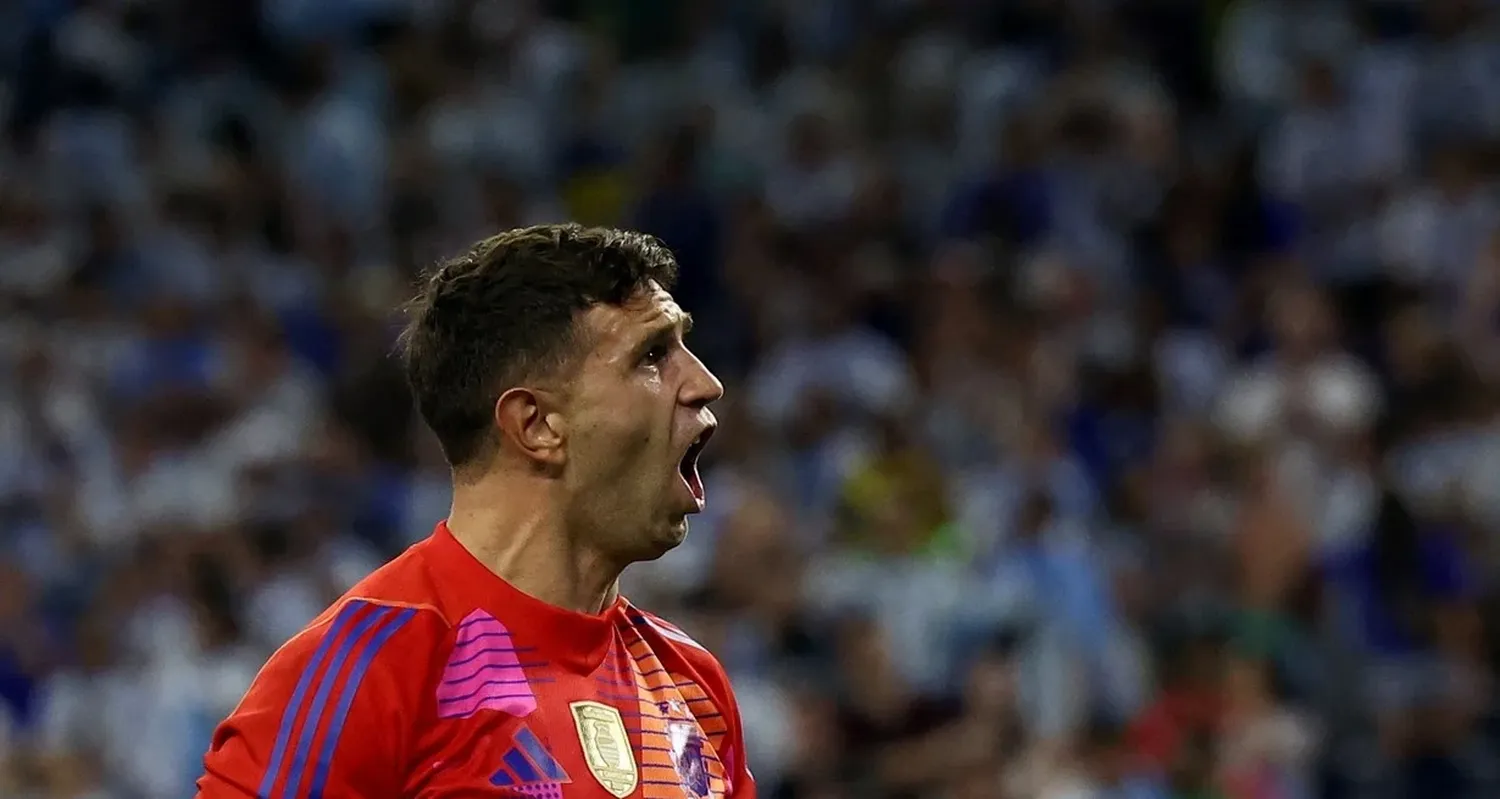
[435,678]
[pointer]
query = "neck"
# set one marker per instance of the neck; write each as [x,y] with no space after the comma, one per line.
[515,527]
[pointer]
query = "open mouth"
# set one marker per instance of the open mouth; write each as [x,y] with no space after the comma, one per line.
[688,466]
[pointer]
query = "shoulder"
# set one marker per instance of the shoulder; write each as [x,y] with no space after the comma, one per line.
[364,644]
[337,706]
[678,649]
[364,626]
[651,625]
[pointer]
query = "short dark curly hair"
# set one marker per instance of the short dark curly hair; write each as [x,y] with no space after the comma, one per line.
[506,311]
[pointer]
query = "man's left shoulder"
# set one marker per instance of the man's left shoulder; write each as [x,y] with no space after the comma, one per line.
[664,635]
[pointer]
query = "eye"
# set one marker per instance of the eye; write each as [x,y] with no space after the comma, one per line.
[656,354]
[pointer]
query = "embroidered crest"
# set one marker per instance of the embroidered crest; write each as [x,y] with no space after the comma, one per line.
[606,746]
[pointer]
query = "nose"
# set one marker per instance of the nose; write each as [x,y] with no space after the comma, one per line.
[702,386]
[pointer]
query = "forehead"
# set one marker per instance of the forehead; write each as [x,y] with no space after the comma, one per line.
[622,326]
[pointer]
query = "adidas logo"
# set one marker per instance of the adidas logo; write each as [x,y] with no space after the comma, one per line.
[528,764]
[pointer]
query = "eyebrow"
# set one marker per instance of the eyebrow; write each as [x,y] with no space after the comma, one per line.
[680,321]
[683,322]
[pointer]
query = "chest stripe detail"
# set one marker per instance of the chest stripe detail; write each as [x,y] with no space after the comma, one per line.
[484,672]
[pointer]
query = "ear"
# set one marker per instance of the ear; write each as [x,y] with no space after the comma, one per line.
[532,428]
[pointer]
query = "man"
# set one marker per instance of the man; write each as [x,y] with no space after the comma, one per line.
[497,658]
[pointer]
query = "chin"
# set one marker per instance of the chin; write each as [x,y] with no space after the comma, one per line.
[665,539]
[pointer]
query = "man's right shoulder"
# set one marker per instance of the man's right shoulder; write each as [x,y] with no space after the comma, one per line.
[376,634]
[336,708]
[390,622]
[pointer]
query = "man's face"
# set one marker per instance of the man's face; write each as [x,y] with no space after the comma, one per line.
[638,416]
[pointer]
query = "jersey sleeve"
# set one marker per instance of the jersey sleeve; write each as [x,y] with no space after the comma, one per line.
[333,713]
[737,763]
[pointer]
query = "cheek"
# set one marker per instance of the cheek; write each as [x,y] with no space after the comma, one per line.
[617,433]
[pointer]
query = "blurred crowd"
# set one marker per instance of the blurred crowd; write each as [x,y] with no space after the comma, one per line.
[1114,385]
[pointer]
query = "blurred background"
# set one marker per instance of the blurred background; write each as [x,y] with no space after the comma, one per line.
[1114,385]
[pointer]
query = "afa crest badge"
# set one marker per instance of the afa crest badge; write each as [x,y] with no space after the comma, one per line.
[606,747]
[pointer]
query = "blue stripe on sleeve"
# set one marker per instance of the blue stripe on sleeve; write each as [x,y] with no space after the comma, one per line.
[320,699]
[346,699]
[294,706]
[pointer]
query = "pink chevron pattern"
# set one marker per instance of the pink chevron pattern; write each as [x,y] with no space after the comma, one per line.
[484,672]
